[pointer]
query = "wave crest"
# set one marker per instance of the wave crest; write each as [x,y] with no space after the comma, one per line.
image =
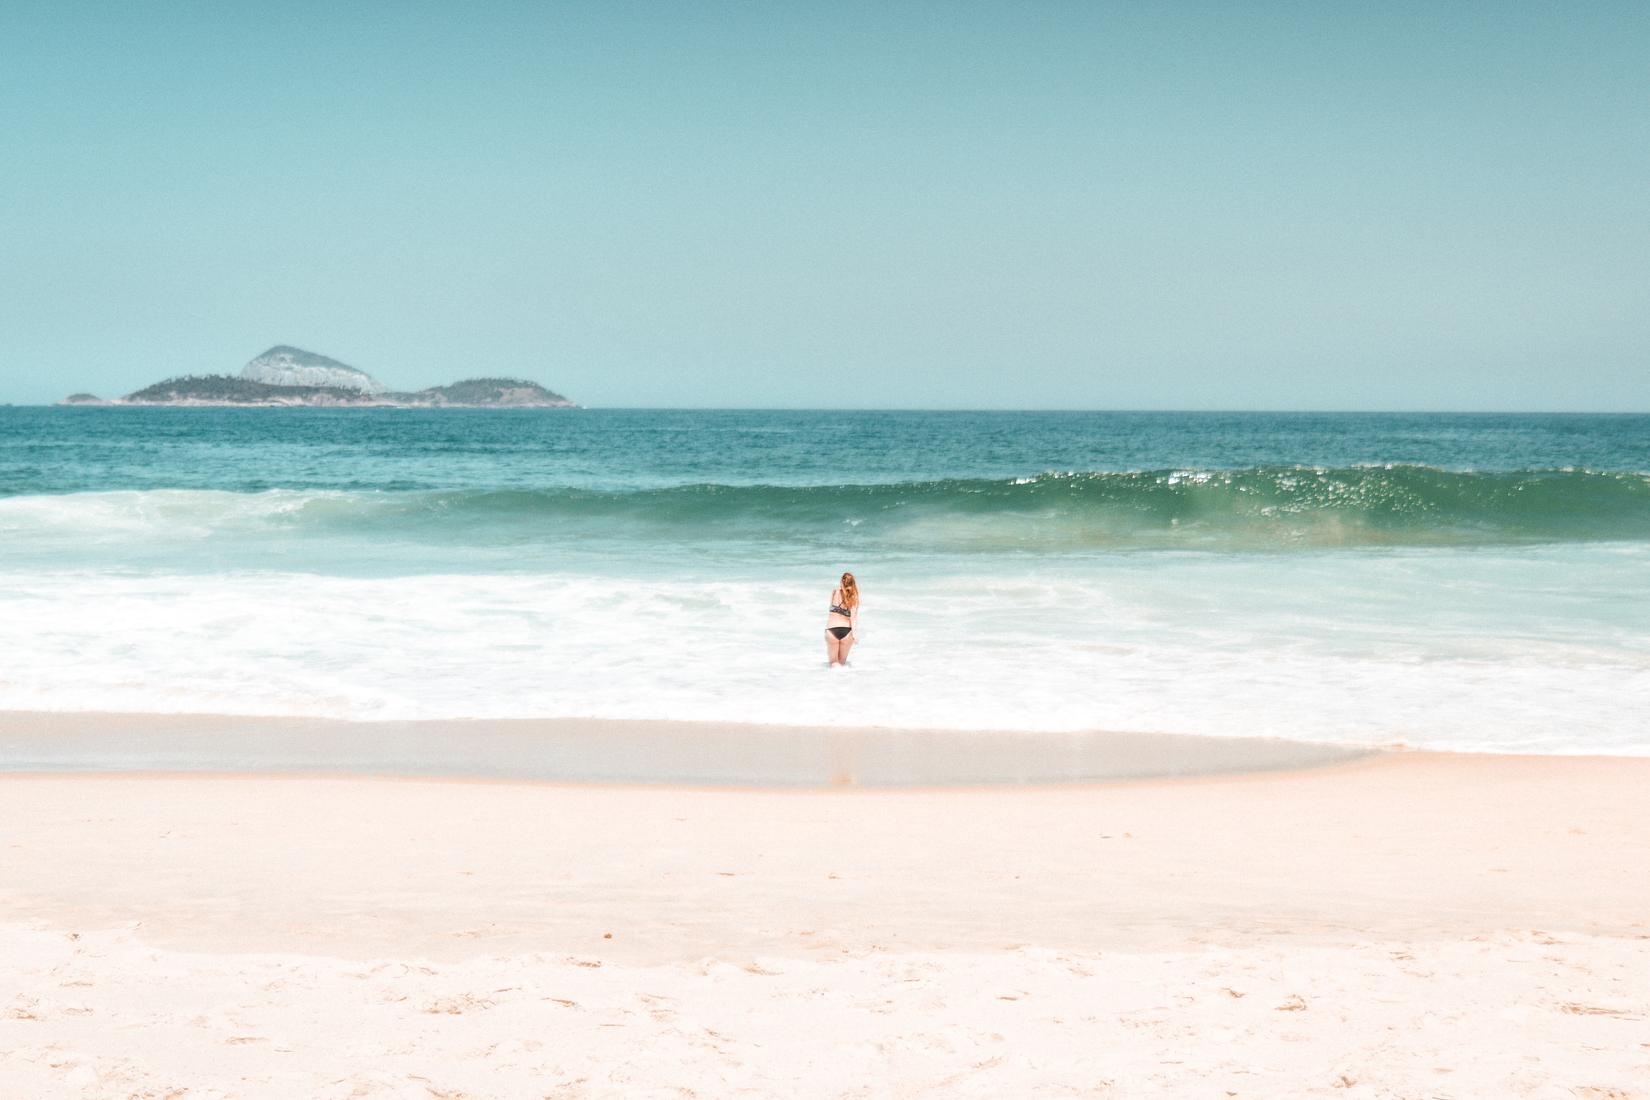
[1257,507]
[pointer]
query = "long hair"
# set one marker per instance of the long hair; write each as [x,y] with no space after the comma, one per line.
[850,591]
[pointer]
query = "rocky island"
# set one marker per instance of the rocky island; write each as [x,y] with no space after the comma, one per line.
[284,376]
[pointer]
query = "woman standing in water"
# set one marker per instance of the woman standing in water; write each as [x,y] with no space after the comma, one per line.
[842,623]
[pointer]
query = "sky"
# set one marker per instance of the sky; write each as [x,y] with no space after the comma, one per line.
[895,204]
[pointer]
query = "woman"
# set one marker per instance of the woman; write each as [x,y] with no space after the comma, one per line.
[841,625]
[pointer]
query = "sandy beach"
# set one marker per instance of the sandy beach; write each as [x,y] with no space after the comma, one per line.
[776,551]
[1402,925]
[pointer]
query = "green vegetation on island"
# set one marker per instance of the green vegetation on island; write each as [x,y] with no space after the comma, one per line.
[225,389]
[285,375]
[491,391]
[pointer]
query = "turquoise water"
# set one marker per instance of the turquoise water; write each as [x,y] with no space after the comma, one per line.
[1470,581]
[62,450]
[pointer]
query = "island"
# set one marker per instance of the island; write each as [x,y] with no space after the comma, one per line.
[288,376]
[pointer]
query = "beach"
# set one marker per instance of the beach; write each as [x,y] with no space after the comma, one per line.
[413,754]
[824,552]
[1402,924]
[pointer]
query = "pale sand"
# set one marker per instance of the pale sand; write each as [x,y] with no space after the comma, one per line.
[1402,926]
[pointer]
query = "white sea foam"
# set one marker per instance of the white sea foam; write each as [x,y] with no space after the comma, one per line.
[174,514]
[1422,647]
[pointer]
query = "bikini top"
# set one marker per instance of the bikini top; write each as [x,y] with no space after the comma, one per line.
[841,609]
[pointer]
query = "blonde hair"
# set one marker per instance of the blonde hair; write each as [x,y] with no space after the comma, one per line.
[850,591]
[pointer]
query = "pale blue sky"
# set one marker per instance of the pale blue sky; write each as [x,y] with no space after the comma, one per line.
[894,204]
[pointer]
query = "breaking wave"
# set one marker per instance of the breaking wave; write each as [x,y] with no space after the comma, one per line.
[1254,508]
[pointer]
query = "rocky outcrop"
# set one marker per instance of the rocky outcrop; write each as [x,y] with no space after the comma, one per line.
[291,376]
[288,366]
[222,389]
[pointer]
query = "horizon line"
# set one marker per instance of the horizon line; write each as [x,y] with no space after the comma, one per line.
[579,407]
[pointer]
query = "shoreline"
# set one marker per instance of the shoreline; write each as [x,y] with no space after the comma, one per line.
[642,751]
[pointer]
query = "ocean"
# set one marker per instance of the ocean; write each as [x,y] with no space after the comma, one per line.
[1466,582]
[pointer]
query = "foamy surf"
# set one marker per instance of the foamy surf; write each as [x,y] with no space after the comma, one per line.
[1420,648]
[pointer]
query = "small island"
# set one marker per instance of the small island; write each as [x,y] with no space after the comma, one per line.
[288,376]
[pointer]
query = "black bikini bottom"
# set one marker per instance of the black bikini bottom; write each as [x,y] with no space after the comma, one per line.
[840,632]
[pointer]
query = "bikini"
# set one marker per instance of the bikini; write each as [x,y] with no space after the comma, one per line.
[840,632]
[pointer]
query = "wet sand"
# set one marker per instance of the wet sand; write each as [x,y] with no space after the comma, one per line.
[609,751]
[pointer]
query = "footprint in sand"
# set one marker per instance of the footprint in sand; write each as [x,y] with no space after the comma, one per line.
[457,1006]
[1572,1008]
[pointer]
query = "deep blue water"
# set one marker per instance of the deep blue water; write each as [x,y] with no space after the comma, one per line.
[59,450]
